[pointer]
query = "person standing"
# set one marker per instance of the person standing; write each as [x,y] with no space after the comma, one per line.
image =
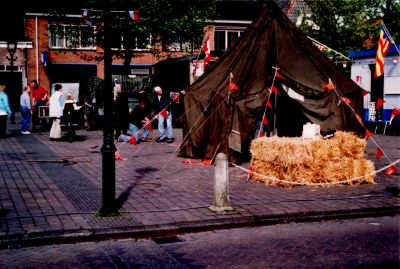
[39,98]
[57,102]
[4,110]
[25,108]
[162,107]
[121,111]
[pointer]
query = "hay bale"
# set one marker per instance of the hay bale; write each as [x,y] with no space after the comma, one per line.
[300,161]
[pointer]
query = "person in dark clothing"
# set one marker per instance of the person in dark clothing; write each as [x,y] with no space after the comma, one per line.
[39,98]
[162,109]
[138,119]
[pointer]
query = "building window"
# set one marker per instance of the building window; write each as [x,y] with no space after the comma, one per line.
[71,37]
[224,39]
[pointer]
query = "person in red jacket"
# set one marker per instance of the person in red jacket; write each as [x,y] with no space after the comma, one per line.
[39,98]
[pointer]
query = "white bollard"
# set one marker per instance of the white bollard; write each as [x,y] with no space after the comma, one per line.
[221,179]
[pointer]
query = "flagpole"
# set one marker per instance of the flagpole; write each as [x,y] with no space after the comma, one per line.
[319,43]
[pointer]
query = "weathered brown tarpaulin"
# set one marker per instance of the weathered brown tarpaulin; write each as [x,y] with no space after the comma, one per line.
[219,120]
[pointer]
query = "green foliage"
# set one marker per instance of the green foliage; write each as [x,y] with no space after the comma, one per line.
[350,24]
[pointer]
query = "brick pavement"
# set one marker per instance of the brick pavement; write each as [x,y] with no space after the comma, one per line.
[51,191]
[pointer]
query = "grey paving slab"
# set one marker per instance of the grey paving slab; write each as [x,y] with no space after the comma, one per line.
[52,191]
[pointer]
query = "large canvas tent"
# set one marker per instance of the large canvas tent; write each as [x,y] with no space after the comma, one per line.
[217,119]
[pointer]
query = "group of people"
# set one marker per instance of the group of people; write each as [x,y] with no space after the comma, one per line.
[31,98]
[139,121]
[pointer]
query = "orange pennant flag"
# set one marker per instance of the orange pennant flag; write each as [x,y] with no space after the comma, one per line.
[368,134]
[379,153]
[149,127]
[268,104]
[164,113]
[346,100]
[379,103]
[265,121]
[261,134]
[391,170]
[365,92]
[395,112]
[251,170]
[206,162]
[328,87]
[278,75]
[275,90]
[118,156]
[233,86]
[132,140]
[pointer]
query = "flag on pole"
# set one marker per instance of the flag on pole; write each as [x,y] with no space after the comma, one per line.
[383,47]
[206,49]
[164,113]
[85,16]
[134,15]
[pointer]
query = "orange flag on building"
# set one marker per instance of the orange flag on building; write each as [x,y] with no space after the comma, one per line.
[383,48]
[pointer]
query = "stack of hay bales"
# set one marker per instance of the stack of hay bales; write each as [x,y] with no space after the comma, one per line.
[302,161]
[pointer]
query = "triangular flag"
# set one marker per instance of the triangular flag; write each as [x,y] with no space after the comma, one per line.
[368,134]
[261,134]
[134,15]
[265,121]
[206,162]
[268,104]
[346,100]
[149,127]
[278,75]
[233,86]
[118,157]
[251,170]
[395,112]
[132,140]
[275,90]
[391,170]
[379,153]
[164,113]
[328,87]
[379,103]
[365,92]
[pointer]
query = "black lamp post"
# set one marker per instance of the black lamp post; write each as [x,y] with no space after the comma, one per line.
[12,48]
[108,149]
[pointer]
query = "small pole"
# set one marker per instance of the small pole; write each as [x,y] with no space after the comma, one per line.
[221,181]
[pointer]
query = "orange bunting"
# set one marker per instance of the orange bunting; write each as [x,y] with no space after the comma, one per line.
[379,103]
[132,140]
[328,87]
[365,92]
[346,100]
[261,134]
[379,153]
[368,134]
[251,170]
[233,86]
[118,156]
[268,104]
[275,90]
[391,170]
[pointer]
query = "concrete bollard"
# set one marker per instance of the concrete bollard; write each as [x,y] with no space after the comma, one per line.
[221,179]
